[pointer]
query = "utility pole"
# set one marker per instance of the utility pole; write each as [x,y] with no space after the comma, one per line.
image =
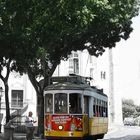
[111,88]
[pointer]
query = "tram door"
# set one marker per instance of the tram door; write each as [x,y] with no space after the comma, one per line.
[86,112]
[86,105]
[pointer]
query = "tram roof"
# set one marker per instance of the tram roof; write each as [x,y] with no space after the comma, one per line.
[67,86]
[74,86]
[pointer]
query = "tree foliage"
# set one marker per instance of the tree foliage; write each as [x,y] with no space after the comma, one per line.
[129,109]
[78,25]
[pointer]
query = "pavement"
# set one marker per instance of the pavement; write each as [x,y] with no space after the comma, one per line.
[1,136]
[18,136]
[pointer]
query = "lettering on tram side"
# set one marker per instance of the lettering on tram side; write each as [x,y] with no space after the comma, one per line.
[61,119]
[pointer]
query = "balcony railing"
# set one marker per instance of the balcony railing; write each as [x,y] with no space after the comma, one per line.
[17,104]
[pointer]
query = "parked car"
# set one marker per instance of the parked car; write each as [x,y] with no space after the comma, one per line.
[129,121]
[137,121]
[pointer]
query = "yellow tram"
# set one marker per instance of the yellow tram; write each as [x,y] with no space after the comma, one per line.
[74,109]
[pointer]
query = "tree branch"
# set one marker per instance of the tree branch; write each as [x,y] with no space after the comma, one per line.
[33,80]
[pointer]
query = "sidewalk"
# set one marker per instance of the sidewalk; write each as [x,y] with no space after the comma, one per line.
[15,136]
[114,128]
[18,136]
[1,136]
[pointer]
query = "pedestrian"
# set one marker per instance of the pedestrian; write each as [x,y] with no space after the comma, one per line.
[29,126]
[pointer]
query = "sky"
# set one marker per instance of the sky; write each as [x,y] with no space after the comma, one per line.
[126,56]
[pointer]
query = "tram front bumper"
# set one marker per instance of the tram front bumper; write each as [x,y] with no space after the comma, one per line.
[61,134]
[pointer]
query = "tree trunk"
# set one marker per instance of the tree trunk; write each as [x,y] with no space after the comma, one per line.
[40,110]
[39,87]
[5,82]
[7,102]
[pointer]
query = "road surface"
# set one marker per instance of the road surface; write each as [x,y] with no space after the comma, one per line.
[123,133]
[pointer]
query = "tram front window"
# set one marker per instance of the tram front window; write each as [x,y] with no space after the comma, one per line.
[60,101]
[49,103]
[75,103]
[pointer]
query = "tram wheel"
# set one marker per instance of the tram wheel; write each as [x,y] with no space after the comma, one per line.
[101,136]
[90,138]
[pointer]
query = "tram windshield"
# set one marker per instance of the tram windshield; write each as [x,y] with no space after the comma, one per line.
[49,103]
[60,100]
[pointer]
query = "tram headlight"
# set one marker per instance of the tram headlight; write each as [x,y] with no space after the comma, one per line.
[60,127]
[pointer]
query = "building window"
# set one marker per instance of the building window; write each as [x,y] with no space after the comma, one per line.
[75,54]
[17,98]
[74,64]
[103,75]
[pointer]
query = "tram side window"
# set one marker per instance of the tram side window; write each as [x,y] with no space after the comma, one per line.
[49,103]
[60,103]
[106,109]
[94,107]
[75,103]
[97,113]
[102,109]
[99,108]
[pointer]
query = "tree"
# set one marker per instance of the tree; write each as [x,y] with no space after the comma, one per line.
[128,108]
[12,41]
[45,32]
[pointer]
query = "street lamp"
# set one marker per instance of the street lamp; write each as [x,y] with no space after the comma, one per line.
[1,115]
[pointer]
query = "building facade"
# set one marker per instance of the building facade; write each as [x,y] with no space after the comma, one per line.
[22,97]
